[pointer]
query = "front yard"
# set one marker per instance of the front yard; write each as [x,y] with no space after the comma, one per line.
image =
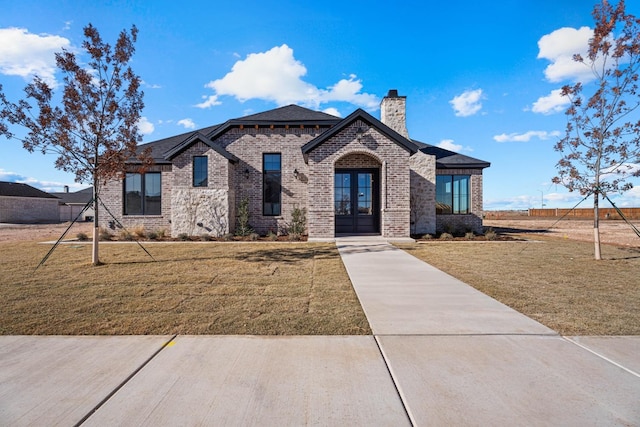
[192,288]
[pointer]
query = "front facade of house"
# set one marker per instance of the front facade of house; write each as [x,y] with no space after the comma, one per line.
[355,175]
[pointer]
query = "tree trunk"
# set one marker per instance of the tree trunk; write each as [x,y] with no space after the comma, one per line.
[596,226]
[95,260]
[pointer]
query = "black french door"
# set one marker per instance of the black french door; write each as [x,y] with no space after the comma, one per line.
[356,201]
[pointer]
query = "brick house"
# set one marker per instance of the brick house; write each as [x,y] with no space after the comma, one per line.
[353,175]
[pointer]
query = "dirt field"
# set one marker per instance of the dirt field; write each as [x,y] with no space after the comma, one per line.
[41,232]
[611,232]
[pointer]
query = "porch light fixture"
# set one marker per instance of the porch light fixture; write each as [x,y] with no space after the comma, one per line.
[246,173]
[296,173]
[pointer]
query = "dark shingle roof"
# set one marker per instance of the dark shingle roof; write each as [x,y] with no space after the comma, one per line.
[16,189]
[197,136]
[161,146]
[446,159]
[80,197]
[360,114]
[289,114]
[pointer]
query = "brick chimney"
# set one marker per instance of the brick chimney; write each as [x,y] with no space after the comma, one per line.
[393,112]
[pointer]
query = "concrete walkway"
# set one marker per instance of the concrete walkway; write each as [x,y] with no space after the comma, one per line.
[441,354]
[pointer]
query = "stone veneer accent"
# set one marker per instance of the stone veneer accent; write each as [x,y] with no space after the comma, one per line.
[393,161]
[471,221]
[423,193]
[393,112]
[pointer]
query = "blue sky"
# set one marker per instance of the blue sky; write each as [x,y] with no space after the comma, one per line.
[479,76]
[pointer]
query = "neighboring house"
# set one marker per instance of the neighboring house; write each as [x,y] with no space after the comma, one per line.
[71,204]
[353,175]
[24,204]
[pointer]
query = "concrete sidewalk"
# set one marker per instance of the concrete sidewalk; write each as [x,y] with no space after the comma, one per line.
[459,357]
[442,353]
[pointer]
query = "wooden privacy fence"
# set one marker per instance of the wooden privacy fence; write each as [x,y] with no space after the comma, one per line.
[586,213]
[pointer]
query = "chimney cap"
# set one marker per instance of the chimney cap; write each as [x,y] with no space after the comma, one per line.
[393,93]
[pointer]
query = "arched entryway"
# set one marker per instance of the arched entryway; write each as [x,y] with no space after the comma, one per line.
[356,191]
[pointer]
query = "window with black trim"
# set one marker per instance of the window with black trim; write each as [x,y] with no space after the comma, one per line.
[452,194]
[143,194]
[271,184]
[200,171]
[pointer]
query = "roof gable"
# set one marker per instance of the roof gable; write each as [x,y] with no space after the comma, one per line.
[192,139]
[16,189]
[362,115]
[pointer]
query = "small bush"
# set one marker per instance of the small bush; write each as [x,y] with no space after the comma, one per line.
[272,236]
[227,237]
[254,236]
[126,235]
[82,236]
[104,234]
[183,237]
[243,228]
[138,231]
[469,235]
[298,223]
[162,233]
[206,237]
[152,235]
[427,237]
[446,236]
[490,234]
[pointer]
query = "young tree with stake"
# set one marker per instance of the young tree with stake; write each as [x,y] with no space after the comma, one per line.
[601,147]
[94,128]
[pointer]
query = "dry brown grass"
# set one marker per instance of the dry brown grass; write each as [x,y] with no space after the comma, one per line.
[192,288]
[554,281]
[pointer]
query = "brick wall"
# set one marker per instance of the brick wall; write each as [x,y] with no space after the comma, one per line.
[249,144]
[423,193]
[28,209]
[111,194]
[344,149]
[471,221]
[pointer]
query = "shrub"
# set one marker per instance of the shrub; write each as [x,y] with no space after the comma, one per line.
[469,235]
[227,237]
[427,236]
[162,233]
[298,223]
[104,234]
[183,237]
[272,236]
[254,236]
[125,235]
[206,237]
[446,236]
[490,234]
[138,231]
[82,236]
[152,235]
[243,228]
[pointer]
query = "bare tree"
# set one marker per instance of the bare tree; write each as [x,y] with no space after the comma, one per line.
[94,128]
[601,147]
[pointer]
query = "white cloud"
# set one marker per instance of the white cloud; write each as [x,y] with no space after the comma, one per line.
[559,47]
[27,55]
[468,103]
[448,144]
[209,101]
[276,76]
[526,137]
[49,186]
[332,111]
[187,123]
[145,126]
[552,103]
